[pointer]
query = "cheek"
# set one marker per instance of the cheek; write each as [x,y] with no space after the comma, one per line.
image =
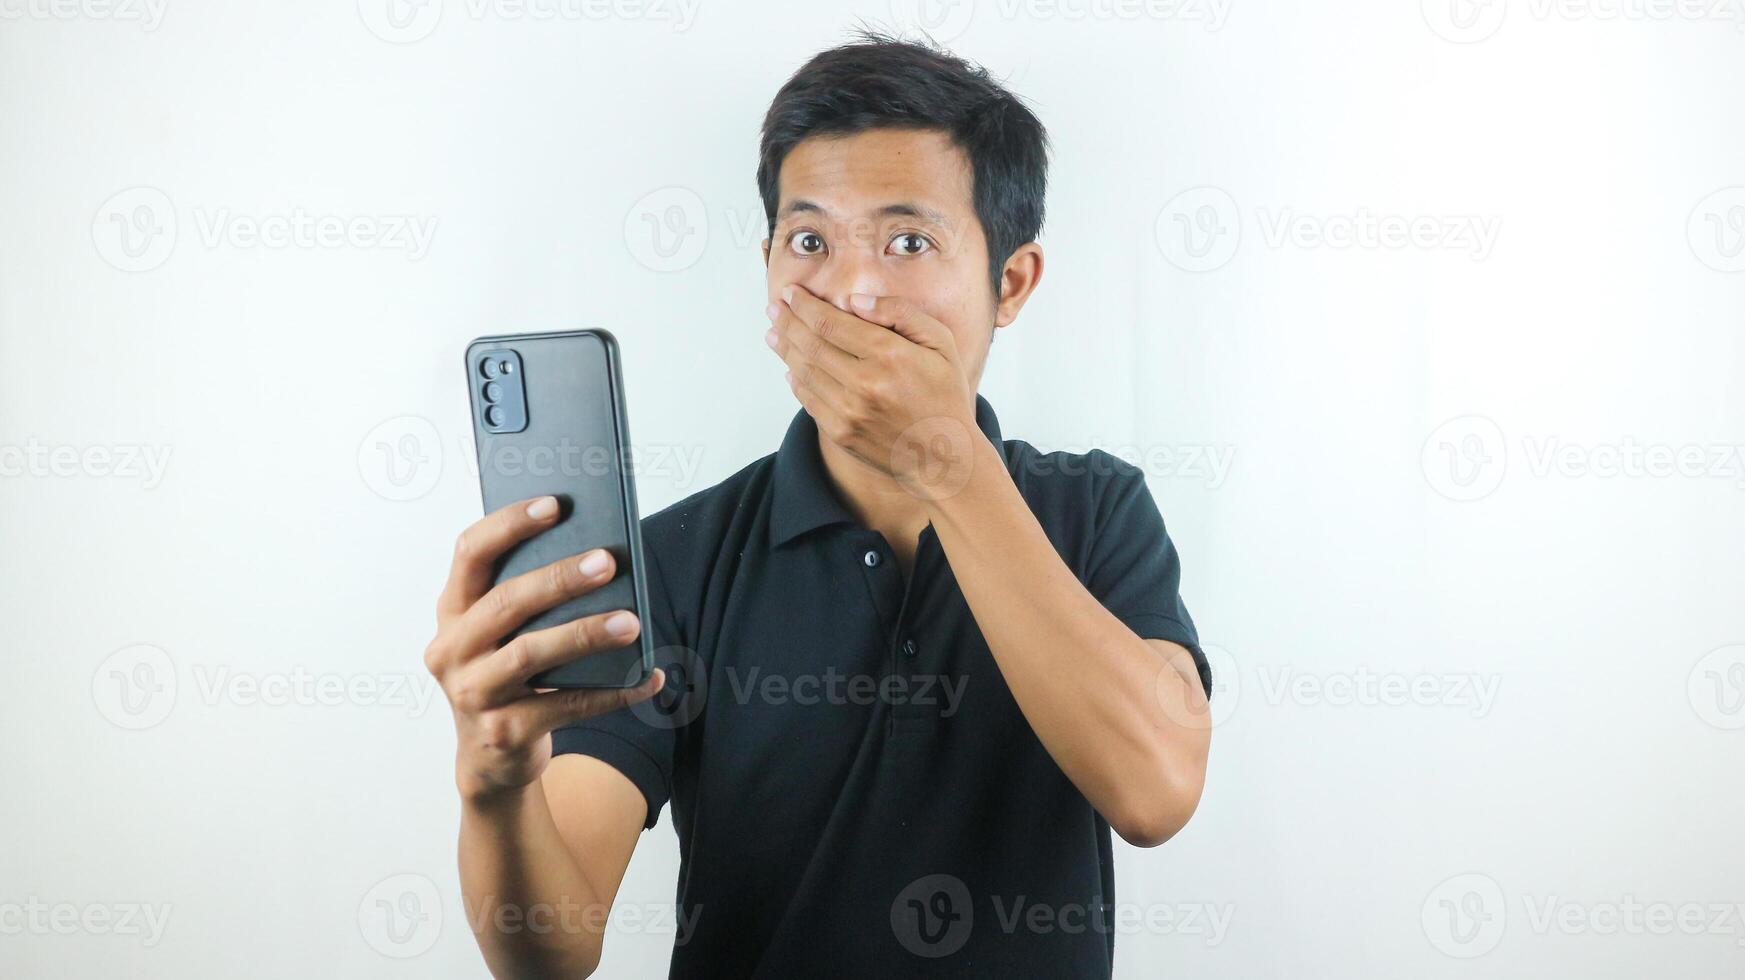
[785,270]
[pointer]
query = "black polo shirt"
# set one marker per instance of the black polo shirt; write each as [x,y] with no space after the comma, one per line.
[855,790]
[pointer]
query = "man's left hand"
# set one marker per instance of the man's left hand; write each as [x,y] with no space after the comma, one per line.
[884,383]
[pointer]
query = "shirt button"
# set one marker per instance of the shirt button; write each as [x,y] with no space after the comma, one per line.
[871,558]
[909,648]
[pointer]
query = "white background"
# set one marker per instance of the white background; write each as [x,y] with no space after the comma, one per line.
[1477,620]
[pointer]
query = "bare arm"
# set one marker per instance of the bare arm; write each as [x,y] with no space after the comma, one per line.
[1124,717]
[538,887]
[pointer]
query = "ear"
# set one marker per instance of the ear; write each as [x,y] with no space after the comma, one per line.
[766,253]
[1018,279]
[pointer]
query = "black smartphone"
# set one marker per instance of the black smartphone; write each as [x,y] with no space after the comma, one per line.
[548,418]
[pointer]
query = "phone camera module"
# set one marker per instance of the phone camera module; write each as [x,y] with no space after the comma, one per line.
[499,395]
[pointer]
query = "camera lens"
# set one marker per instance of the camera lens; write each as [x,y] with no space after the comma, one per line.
[493,391]
[488,367]
[493,416]
[506,366]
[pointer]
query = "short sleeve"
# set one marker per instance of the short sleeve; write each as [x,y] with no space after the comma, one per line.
[640,741]
[1134,570]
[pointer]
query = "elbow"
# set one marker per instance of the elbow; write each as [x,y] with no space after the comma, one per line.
[1150,818]
[586,961]
[566,962]
[1151,826]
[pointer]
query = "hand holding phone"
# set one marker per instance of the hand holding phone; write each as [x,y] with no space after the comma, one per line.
[503,724]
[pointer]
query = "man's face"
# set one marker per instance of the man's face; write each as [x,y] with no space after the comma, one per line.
[887,212]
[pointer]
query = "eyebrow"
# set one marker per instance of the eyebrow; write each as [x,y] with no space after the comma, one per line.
[897,209]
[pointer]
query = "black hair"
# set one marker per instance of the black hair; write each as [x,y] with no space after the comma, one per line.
[880,81]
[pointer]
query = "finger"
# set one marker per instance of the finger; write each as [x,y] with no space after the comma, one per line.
[515,726]
[905,318]
[477,549]
[554,709]
[813,376]
[793,337]
[510,603]
[827,416]
[858,337]
[502,676]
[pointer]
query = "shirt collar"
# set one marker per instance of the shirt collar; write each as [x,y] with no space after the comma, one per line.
[803,496]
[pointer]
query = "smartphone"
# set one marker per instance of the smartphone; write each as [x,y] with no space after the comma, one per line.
[548,419]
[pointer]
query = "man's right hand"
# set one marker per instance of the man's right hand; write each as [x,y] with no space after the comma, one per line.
[503,725]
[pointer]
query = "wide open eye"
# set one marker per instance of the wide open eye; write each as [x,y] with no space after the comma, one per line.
[910,243]
[805,243]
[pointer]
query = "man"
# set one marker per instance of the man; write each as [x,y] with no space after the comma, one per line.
[912,673]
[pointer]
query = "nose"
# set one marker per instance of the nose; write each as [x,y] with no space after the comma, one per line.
[855,268]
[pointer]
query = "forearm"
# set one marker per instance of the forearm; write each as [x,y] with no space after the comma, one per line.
[533,910]
[1094,692]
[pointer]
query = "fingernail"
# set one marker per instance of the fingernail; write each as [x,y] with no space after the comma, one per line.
[594,563]
[772,311]
[788,293]
[621,623]
[542,508]
[769,337]
[861,302]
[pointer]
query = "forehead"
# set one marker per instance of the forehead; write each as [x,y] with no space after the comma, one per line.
[857,174]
